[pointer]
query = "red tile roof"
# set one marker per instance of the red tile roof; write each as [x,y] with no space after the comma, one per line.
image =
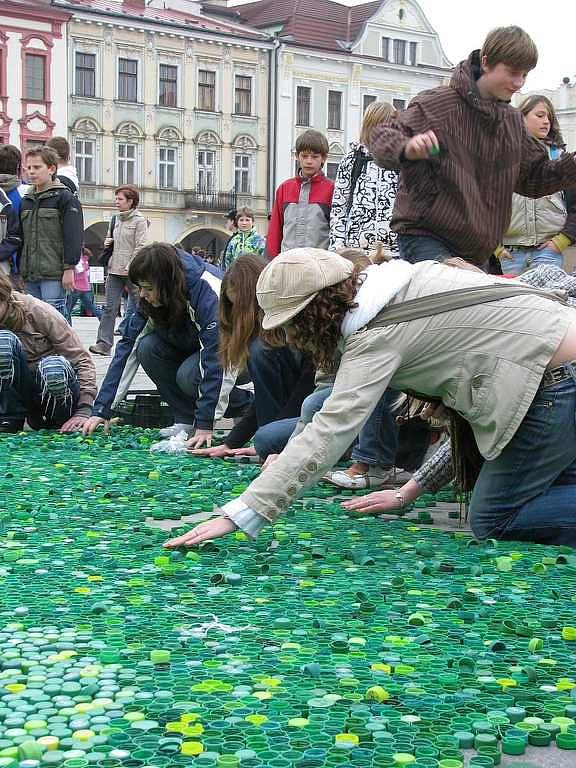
[315,23]
[162,15]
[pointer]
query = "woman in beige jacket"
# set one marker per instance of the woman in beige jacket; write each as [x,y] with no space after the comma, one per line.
[128,231]
[497,352]
[46,375]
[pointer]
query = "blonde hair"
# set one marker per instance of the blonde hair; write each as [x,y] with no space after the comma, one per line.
[376,113]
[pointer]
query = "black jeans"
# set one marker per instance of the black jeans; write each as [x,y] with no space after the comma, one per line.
[172,361]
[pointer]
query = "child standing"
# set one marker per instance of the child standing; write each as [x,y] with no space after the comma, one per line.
[301,213]
[51,228]
[245,239]
[82,289]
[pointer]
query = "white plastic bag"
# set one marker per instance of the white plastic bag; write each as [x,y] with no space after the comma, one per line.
[175,444]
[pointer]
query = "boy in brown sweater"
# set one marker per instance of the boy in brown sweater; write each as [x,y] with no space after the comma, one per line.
[462,150]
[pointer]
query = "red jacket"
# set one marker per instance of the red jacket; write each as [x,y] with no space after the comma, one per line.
[301,214]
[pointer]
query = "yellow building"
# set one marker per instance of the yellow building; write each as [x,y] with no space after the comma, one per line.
[175,103]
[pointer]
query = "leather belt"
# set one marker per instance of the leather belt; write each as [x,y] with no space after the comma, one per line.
[557,374]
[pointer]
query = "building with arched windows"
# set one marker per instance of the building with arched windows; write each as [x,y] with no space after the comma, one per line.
[174,102]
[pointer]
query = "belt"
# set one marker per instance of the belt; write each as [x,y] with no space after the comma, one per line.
[558,374]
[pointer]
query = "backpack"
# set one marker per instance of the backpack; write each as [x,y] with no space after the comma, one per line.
[361,160]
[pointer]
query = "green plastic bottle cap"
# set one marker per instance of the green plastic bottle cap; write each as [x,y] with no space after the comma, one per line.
[513,746]
[566,741]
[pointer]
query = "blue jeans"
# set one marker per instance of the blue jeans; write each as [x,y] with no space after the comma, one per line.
[272,437]
[415,248]
[47,396]
[528,258]
[86,299]
[376,444]
[529,492]
[172,361]
[50,291]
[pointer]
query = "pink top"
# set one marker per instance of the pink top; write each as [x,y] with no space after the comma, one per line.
[82,274]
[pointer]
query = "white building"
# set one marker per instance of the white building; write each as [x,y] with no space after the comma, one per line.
[332,60]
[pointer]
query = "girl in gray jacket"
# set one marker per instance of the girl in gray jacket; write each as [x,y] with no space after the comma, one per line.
[498,353]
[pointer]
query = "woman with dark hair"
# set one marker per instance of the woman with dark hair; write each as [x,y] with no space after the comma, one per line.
[127,232]
[282,376]
[173,334]
[46,375]
[498,353]
[540,228]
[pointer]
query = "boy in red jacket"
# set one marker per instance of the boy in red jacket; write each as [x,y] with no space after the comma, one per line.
[301,213]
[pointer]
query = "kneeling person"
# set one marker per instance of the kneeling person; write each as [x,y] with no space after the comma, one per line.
[46,375]
[174,336]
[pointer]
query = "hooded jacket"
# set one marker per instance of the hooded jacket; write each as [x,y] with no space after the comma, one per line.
[360,217]
[203,283]
[52,231]
[463,196]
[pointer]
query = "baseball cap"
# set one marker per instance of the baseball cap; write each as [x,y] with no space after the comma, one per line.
[292,280]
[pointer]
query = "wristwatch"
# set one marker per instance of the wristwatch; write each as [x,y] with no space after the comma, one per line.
[400,499]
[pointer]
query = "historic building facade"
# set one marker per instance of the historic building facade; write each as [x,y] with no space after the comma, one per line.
[33,88]
[174,103]
[333,60]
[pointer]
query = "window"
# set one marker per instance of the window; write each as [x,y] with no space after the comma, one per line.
[335,110]
[35,85]
[332,170]
[399,104]
[366,101]
[413,53]
[84,154]
[85,74]
[303,99]
[127,80]
[167,168]
[206,170]
[207,90]
[126,163]
[400,51]
[386,48]
[243,95]
[168,86]
[242,174]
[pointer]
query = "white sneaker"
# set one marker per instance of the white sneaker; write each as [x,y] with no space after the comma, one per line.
[176,428]
[375,479]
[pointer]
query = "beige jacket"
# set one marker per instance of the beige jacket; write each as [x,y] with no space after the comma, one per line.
[130,234]
[46,332]
[484,361]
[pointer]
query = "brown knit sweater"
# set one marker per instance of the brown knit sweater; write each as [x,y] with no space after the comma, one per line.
[464,196]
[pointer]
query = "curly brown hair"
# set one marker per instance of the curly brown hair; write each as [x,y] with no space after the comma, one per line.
[316,330]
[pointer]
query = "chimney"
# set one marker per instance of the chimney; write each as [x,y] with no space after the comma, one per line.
[134,5]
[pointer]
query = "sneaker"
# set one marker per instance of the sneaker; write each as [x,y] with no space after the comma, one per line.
[375,479]
[176,428]
[100,349]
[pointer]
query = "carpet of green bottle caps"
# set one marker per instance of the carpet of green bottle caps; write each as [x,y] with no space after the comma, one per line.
[331,641]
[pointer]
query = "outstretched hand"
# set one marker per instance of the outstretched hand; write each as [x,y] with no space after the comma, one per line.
[211,529]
